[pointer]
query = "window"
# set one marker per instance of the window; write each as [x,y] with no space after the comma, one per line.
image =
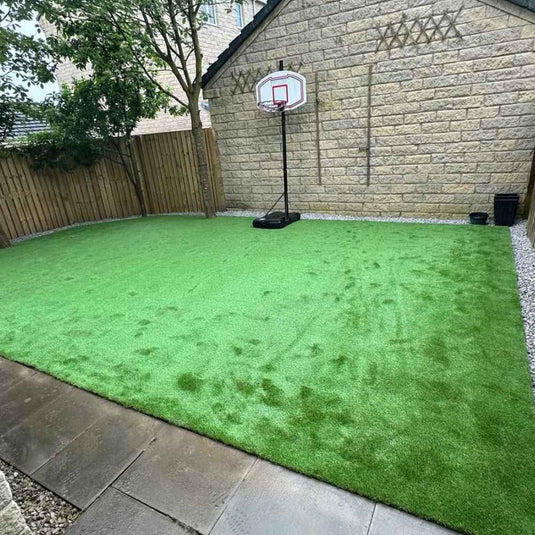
[209,11]
[238,12]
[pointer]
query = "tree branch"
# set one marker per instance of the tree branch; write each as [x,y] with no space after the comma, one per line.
[144,68]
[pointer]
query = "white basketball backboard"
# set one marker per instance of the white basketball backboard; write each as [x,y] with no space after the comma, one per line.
[281,90]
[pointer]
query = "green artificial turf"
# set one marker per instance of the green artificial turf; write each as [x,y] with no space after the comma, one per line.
[385,358]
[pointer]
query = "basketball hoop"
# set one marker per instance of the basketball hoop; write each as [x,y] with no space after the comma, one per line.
[272,105]
[280,91]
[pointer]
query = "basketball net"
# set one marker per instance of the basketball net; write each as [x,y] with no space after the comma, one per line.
[272,106]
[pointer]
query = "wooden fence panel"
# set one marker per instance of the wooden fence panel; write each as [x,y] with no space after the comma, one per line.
[35,201]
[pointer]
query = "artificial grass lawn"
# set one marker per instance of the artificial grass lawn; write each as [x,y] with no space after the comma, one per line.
[385,358]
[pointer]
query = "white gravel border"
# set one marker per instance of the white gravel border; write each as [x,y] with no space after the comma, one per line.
[334,217]
[89,223]
[525,270]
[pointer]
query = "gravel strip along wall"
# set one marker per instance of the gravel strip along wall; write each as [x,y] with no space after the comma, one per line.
[525,269]
[44,512]
[336,217]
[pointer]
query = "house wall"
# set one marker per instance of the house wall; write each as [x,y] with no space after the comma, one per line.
[214,39]
[452,120]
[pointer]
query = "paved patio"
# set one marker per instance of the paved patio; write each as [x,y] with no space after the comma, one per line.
[133,474]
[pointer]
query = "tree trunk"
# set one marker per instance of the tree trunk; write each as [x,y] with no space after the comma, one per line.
[4,241]
[138,186]
[202,160]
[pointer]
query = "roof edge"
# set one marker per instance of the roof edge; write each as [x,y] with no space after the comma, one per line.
[238,41]
[526,4]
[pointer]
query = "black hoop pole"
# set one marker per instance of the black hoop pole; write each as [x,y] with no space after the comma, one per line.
[284,158]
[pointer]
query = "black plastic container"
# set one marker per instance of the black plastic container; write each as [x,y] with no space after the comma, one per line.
[505,207]
[479,218]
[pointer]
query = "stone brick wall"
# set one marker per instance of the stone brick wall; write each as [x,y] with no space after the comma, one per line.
[11,519]
[452,119]
[214,39]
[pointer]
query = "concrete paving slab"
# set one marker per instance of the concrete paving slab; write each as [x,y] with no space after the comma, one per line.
[114,513]
[11,373]
[273,500]
[26,397]
[90,463]
[390,521]
[186,476]
[49,429]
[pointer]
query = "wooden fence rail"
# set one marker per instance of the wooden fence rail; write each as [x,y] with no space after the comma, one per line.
[35,201]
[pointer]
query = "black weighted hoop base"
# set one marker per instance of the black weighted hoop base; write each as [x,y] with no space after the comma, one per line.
[276,220]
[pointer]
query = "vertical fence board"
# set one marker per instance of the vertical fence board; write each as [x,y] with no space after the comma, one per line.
[8,214]
[18,193]
[52,195]
[47,205]
[33,201]
[215,169]
[192,171]
[159,157]
[114,189]
[190,202]
[27,181]
[143,158]
[8,217]
[155,162]
[173,179]
[157,207]
[166,177]
[19,213]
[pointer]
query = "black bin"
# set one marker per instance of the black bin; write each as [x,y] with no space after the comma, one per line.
[505,206]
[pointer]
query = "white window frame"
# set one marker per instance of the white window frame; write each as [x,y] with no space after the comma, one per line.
[209,9]
[238,11]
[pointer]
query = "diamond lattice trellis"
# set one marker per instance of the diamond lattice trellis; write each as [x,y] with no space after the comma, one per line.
[245,81]
[418,31]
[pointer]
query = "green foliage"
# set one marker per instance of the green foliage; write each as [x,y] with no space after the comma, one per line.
[113,94]
[105,105]
[55,148]
[88,119]
[24,61]
[112,37]
[148,35]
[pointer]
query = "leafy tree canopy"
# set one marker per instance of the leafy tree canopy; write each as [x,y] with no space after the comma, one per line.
[24,61]
[149,35]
